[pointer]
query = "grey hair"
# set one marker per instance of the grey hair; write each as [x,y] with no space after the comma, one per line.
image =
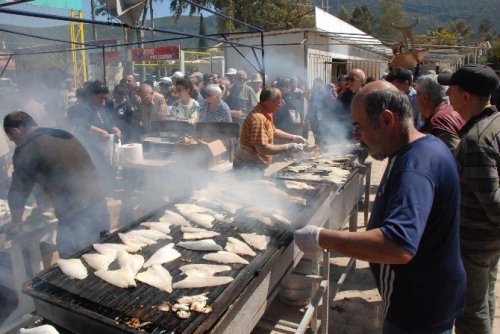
[214,90]
[375,102]
[428,84]
[146,88]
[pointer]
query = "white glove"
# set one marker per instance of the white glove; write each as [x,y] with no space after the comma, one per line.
[307,239]
[299,140]
[294,147]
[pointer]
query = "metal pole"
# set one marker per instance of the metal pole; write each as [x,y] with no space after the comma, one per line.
[6,64]
[104,64]
[92,9]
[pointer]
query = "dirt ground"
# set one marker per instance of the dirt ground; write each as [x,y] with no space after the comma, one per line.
[356,309]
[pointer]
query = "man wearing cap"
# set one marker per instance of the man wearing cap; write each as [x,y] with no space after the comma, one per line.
[478,160]
[256,84]
[231,74]
[241,99]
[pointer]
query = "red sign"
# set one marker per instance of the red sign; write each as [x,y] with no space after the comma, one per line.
[110,57]
[159,53]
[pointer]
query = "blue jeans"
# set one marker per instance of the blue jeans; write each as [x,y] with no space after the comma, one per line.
[392,328]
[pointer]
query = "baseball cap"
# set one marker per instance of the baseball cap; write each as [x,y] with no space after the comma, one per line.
[166,81]
[178,75]
[231,71]
[477,79]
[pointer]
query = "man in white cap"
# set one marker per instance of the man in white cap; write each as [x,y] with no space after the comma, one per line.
[230,74]
[241,99]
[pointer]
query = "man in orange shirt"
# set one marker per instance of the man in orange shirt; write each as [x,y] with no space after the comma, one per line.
[258,134]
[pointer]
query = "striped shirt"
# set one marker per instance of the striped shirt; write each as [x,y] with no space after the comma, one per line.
[257,129]
[220,114]
[478,160]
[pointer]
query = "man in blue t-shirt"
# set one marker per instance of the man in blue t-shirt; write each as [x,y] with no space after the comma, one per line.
[412,240]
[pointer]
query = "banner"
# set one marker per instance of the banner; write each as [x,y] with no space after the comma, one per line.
[63,4]
[159,53]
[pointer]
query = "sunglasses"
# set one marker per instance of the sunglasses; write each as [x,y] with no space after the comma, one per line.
[351,78]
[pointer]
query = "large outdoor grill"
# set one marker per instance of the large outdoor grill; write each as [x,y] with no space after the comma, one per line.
[92,305]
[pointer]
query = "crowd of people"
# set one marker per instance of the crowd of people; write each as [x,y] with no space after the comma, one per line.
[433,239]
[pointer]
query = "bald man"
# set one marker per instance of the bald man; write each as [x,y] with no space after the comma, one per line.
[412,240]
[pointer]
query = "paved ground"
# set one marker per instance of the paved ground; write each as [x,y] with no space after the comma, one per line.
[356,308]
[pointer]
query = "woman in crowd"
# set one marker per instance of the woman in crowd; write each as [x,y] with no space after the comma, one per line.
[214,109]
[186,107]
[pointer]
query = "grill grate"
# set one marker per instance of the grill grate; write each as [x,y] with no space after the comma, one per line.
[103,302]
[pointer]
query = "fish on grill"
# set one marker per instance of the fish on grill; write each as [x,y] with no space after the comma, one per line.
[202,270]
[135,240]
[190,208]
[224,257]
[236,246]
[133,261]
[150,234]
[173,218]
[201,219]
[163,255]
[99,261]
[297,185]
[156,276]
[74,268]
[255,240]
[112,249]
[194,282]
[158,226]
[205,245]
[122,278]
[190,232]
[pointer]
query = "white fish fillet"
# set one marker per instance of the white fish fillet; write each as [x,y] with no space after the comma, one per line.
[201,219]
[112,249]
[224,257]
[122,278]
[133,261]
[163,255]
[237,246]
[262,219]
[296,185]
[173,218]
[190,299]
[74,268]
[193,282]
[202,270]
[257,241]
[44,329]
[135,240]
[150,234]
[158,226]
[200,235]
[205,245]
[281,219]
[99,261]
[193,208]
[156,276]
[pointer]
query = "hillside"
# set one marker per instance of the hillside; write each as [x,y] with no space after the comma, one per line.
[436,13]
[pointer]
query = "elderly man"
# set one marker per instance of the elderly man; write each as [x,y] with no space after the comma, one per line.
[402,79]
[412,240]
[57,161]
[152,108]
[258,134]
[478,159]
[355,80]
[439,117]
[241,99]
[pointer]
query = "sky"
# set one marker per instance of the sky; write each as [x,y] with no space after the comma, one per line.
[160,9]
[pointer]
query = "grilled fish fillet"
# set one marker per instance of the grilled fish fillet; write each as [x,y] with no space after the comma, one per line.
[112,249]
[122,278]
[173,218]
[133,261]
[236,246]
[99,261]
[255,240]
[202,270]
[201,219]
[296,185]
[224,257]
[158,226]
[190,208]
[150,234]
[163,255]
[74,268]
[156,276]
[193,282]
[135,240]
[205,245]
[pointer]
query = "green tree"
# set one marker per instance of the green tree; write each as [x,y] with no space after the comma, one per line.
[390,12]
[494,54]
[266,14]
[202,43]
[362,18]
[344,14]
[460,27]
[484,30]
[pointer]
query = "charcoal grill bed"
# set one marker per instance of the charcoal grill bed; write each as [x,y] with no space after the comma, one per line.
[93,306]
